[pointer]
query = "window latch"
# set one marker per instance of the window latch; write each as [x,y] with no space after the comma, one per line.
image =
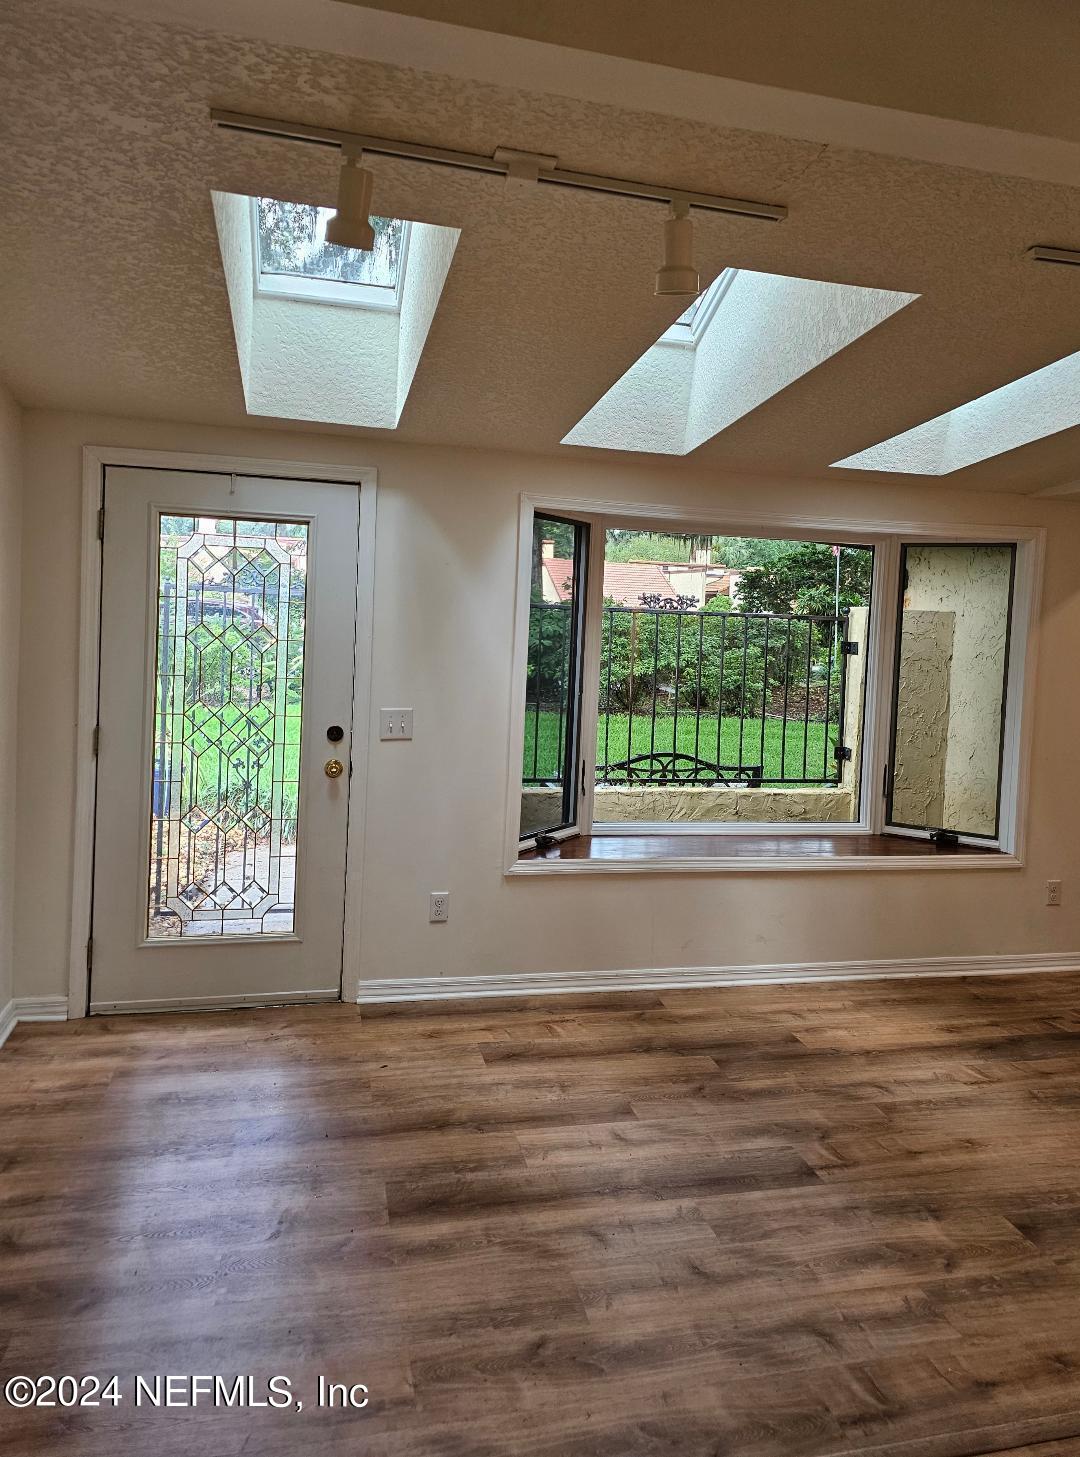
[944,837]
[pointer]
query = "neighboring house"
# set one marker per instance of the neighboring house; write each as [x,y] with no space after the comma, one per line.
[627,582]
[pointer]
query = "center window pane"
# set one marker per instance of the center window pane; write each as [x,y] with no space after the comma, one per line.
[292,241]
[731,680]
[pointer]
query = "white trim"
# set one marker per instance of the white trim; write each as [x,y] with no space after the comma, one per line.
[781,525]
[519,649]
[332,292]
[362,736]
[210,1004]
[96,458]
[542,984]
[764,864]
[31,1009]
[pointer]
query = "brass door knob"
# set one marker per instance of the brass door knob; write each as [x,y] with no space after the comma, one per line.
[333,768]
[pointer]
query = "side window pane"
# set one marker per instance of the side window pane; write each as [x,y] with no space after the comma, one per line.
[549,776]
[952,660]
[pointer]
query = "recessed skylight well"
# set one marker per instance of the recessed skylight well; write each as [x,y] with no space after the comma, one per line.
[742,341]
[294,260]
[1026,409]
[323,332]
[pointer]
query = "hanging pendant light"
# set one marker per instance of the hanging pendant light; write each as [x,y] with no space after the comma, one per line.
[350,227]
[677,274]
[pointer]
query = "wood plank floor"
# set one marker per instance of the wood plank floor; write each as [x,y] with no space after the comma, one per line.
[804,1220]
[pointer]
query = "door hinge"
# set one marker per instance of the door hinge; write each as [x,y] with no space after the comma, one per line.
[101,523]
[841,753]
[95,740]
[885,782]
[90,954]
[849,649]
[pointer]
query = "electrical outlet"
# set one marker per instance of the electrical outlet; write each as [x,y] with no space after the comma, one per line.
[439,906]
[1053,892]
[395,723]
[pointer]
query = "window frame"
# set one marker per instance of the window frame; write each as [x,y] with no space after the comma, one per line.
[688,336]
[886,538]
[574,765]
[894,826]
[301,288]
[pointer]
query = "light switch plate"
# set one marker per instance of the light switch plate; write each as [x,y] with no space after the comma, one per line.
[395,723]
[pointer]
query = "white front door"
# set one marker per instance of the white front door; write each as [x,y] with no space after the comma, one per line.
[228,626]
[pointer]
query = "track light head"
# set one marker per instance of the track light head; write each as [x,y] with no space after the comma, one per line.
[677,274]
[350,227]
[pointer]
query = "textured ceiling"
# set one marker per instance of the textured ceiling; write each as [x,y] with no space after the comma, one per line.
[1006,65]
[113,299]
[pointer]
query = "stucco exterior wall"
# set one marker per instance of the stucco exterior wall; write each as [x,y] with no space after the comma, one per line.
[957,708]
[922,720]
[684,804]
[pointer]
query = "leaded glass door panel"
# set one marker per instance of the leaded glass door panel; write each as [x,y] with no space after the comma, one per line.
[228,626]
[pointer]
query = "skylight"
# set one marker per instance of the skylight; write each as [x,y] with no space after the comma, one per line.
[1026,409]
[692,322]
[746,338]
[296,261]
[303,353]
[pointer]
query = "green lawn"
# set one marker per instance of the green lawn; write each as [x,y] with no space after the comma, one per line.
[206,740]
[819,761]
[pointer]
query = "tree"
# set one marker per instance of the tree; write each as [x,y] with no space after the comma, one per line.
[646,546]
[292,240]
[802,578]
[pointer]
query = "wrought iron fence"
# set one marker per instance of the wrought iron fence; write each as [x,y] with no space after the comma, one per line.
[695,697]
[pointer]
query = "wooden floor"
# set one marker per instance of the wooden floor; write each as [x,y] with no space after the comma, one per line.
[815,1219]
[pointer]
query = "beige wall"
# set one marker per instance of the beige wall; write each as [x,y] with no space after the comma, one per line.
[436,807]
[10,511]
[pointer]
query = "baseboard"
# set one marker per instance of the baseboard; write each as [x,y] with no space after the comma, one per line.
[539,984]
[31,1009]
[214,1004]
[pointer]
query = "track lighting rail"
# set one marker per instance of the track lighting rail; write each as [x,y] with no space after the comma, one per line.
[499,166]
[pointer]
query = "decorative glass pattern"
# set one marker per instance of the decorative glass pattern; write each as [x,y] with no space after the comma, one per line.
[229,681]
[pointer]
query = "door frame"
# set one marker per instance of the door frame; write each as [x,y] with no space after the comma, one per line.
[96,459]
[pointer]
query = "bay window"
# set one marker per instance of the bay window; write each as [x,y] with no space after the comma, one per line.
[723,691]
